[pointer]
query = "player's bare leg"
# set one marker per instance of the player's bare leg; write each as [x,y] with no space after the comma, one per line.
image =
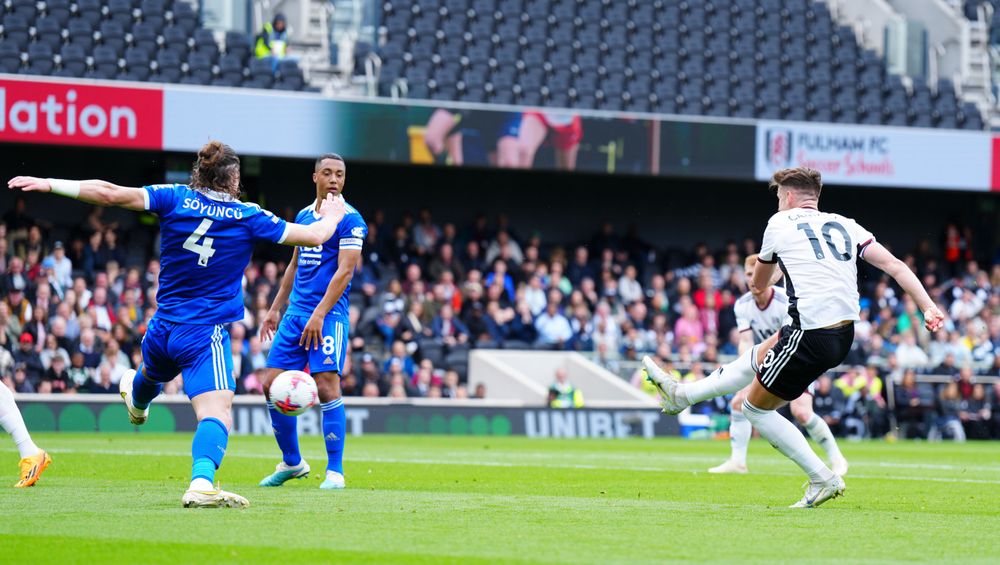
[531,135]
[214,410]
[33,460]
[292,465]
[566,158]
[819,431]
[334,427]
[675,397]
[759,408]
[508,154]
[740,431]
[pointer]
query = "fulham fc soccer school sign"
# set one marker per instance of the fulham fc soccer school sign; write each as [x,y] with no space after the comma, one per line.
[876,156]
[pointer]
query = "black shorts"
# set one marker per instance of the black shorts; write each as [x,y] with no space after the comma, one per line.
[801,356]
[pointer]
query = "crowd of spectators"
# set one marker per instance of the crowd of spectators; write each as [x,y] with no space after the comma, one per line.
[426,293]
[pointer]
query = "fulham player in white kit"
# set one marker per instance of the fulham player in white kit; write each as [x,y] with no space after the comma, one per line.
[759,314]
[817,252]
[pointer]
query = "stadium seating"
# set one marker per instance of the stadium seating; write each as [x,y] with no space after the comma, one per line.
[138,40]
[775,59]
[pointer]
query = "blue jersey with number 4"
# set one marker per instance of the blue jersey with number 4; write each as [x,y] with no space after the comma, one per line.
[207,239]
[317,265]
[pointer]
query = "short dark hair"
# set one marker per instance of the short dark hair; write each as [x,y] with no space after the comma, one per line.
[332,156]
[799,178]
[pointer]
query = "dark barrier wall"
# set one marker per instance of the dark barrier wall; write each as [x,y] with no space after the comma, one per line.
[250,417]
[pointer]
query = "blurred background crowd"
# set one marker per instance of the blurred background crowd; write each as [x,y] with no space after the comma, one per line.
[74,310]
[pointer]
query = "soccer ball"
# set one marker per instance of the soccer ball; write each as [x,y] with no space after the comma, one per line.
[293,392]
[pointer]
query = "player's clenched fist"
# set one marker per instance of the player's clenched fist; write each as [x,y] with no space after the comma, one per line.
[933,319]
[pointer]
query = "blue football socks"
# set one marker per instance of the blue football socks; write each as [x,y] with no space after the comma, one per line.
[286,433]
[144,390]
[334,429]
[208,449]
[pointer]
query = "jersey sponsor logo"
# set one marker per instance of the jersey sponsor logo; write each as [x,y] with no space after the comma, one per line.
[208,209]
[43,112]
[358,231]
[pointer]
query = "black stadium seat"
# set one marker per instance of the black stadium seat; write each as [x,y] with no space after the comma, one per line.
[136,40]
[715,57]
[144,37]
[90,11]
[15,29]
[48,30]
[137,63]
[58,10]
[40,60]
[73,60]
[10,57]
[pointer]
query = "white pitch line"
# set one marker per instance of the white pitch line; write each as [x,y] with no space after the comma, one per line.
[505,464]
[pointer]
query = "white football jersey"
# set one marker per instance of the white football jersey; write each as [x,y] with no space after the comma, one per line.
[763,322]
[818,254]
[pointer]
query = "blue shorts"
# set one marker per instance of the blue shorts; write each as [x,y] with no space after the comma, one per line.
[200,353]
[287,354]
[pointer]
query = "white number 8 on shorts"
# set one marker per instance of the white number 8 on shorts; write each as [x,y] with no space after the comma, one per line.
[328,345]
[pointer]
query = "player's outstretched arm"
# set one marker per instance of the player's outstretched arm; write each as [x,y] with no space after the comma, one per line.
[98,192]
[882,258]
[332,210]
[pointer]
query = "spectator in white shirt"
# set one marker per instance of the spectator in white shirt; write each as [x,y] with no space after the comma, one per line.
[629,288]
[553,328]
[909,354]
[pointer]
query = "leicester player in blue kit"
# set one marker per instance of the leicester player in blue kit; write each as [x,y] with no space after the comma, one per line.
[207,238]
[314,329]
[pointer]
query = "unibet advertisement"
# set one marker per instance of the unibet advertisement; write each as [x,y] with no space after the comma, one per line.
[250,417]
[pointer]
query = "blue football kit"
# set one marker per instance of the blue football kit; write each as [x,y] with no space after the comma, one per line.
[207,239]
[313,273]
[316,267]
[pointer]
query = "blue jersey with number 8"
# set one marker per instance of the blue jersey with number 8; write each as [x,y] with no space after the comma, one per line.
[207,239]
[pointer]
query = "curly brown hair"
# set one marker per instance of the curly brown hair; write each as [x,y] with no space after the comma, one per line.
[217,168]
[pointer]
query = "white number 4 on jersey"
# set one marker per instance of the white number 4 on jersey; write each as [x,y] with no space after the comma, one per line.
[204,250]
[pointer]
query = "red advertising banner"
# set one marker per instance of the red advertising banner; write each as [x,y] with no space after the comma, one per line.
[59,113]
[995,171]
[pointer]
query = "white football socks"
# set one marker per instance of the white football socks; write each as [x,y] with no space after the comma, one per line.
[820,432]
[10,419]
[724,380]
[202,485]
[739,437]
[785,437]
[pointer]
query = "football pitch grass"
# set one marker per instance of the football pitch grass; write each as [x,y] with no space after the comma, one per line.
[115,498]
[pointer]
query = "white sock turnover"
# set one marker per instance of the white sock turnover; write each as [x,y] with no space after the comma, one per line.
[10,419]
[785,437]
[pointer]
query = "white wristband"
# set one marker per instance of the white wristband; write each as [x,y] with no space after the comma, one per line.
[70,188]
